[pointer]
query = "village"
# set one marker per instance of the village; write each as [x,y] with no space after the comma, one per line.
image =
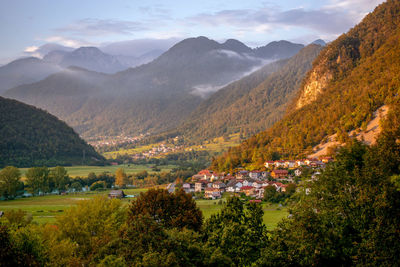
[278,174]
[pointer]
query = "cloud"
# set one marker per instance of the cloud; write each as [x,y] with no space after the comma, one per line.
[139,46]
[70,42]
[101,27]
[331,19]
[31,49]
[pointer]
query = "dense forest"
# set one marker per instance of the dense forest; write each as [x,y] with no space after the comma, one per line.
[253,103]
[358,73]
[348,216]
[32,137]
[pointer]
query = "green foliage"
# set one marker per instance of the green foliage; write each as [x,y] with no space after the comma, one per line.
[10,182]
[22,247]
[349,218]
[364,67]
[37,180]
[237,232]
[59,178]
[92,225]
[15,219]
[98,185]
[32,137]
[177,210]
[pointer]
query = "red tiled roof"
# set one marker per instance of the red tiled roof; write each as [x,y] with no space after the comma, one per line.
[280,171]
[246,187]
[211,189]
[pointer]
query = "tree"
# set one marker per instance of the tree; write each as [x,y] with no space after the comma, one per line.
[92,225]
[270,194]
[38,180]
[98,185]
[59,177]
[177,210]
[121,179]
[237,231]
[9,182]
[17,218]
[77,186]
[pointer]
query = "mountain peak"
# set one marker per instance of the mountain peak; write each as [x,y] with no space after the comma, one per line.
[278,49]
[235,45]
[195,45]
[87,50]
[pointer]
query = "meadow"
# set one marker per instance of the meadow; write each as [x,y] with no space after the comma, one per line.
[83,171]
[45,209]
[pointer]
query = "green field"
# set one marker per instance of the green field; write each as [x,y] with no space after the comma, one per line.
[46,208]
[129,169]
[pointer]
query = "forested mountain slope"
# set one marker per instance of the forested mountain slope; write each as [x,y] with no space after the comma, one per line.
[253,103]
[351,78]
[32,137]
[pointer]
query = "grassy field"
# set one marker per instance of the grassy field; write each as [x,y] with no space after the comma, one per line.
[129,169]
[46,208]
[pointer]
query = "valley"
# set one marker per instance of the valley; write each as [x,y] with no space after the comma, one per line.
[271,141]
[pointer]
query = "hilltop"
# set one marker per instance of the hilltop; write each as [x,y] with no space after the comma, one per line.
[32,137]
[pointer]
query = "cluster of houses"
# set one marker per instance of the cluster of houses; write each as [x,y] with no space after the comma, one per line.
[252,183]
[157,150]
[292,164]
[102,141]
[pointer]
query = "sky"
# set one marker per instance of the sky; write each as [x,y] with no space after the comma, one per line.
[27,24]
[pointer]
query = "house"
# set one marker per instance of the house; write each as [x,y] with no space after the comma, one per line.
[205,172]
[290,164]
[212,193]
[219,185]
[255,174]
[247,190]
[232,186]
[326,159]
[197,177]
[278,174]
[242,174]
[281,187]
[300,162]
[257,184]
[279,163]
[200,185]
[248,182]
[188,187]
[229,178]
[269,164]
[116,194]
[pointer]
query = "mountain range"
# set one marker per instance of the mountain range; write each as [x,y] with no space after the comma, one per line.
[350,80]
[151,98]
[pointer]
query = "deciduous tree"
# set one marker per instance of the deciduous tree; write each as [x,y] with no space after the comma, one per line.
[9,181]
